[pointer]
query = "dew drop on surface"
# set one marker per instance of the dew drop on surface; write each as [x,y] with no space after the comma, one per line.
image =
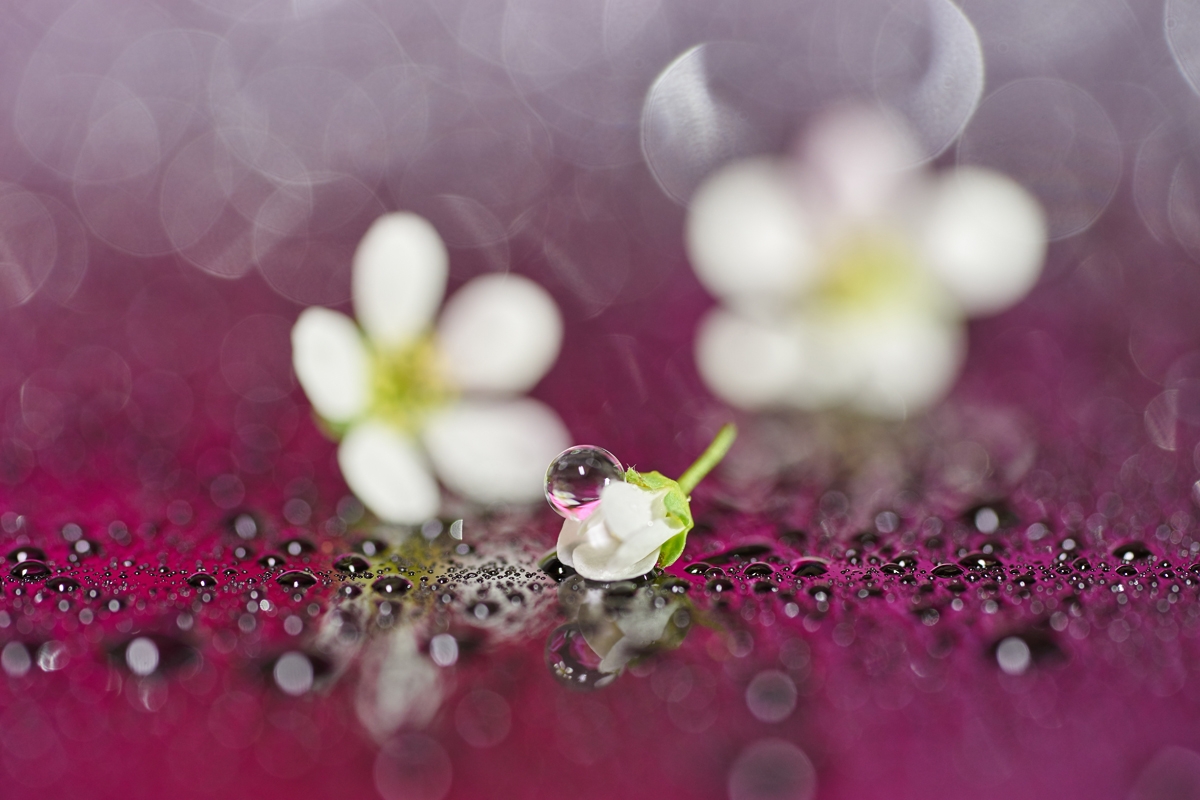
[15,659]
[946,571]
[244,526]
[21,554]
[809,568]
[572,661]
[350,590]
[772,769]
[272,561]
[979,561]
[355,565]
[392,586]
[758,570]
[555,568]
[141,656]
[1013,655]
[297,547]
[52,656]
[771,696]
[576,477]
[63,584]
[293,674]
[443,649]
[296,579]
[30,571]
[371,547]
[1132,551]
[202,580]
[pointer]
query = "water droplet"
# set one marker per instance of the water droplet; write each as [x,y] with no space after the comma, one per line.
[743,552]
[350,590]
[293,673]
[1127,570]
[371,547]
[63,584]
[719,585]
[554,568]
[202,580]
[576,477]
[1082,564]
[946,571]
[572,662]
[809,568]
[443,649]
[676,586]
[1132,551]
[906,561]
[242,553]
[272,561]
[1013,655]
[979,561]
[892,569]
[759,570]
[243,525]
[297,547]
[392,586]
[30,571]
[26,554]
[355,565]
[296,579]
[141,656]
[699,568]
[15,659]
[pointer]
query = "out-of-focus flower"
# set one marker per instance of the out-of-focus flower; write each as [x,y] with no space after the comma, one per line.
[846,275]
[411,398]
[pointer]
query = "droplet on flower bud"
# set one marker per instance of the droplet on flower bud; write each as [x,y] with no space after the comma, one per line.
[576,477]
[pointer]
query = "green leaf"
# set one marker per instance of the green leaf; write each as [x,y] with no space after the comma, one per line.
[679,510]
[672,549]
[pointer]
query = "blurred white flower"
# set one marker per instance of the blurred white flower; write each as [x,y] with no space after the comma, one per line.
[846,274]
[622,537]
[412,398]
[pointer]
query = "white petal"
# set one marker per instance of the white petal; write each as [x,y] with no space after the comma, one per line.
[747,236]
[985,237]
[495,452]
[748,364]
[600,566]
[649,539]
[399,278]
[569,538]
[891,363]
[627,508]
[386,472]
[857,161]
[499,333]
[332,364]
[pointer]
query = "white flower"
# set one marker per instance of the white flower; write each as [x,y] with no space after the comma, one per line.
[846,275]
[413,398]
[621,538]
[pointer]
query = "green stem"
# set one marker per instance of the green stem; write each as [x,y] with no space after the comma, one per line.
[709,458]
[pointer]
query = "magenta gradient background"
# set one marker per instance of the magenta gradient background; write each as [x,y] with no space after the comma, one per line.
[203,170]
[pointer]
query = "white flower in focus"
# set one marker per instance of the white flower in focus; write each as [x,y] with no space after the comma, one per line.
[846,275]
[621,538]
[413,398]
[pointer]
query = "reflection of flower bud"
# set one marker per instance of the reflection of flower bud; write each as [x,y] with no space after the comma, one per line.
[846,275]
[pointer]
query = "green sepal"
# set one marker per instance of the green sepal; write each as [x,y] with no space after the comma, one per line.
[679,510]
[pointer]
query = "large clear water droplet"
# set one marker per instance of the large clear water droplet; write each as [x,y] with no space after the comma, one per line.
[572,661]
[576,477]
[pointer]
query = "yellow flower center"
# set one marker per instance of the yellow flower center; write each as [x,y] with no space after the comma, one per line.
[407,383]
[874,269]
